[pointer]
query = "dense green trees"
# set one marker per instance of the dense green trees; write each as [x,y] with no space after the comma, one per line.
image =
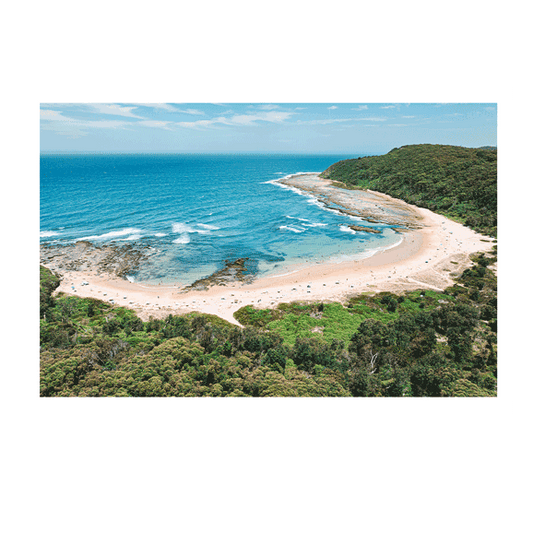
[48,284]
[421,343]
[452,180]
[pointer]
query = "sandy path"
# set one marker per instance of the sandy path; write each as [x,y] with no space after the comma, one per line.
[426,258]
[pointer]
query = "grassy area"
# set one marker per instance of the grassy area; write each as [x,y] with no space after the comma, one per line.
[330,321]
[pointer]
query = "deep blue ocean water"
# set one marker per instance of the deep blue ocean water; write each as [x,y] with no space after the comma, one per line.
[195,211]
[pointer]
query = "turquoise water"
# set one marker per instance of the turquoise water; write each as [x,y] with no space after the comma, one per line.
[195,211]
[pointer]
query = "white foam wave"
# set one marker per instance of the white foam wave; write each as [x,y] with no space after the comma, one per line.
[300,174]
[112,235]
[346,229]
[208,226]
[183,239]
[366,254]
[160,234]
[180,227]
[297,218]
[276,182]
[314,224]
[393,245]
[130,278]
[47,234]
[313,200]
[290,228]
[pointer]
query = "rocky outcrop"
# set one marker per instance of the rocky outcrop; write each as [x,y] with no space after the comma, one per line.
[83,256]
[233,272]
[364,228]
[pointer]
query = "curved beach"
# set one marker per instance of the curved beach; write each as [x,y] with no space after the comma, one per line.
[432,250]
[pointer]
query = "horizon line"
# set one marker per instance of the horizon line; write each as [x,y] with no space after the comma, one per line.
[116,152]
[42,152]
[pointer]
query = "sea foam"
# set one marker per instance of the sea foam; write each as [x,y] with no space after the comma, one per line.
[346,229]
[47,233]
[180,227]
[111,235]
[208,226]
[183,239]
[290,228]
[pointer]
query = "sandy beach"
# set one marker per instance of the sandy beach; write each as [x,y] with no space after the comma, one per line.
[433,248]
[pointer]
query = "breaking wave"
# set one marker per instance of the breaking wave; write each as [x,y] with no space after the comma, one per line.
[43,234]
[290,228]
[183,239]
[112,235]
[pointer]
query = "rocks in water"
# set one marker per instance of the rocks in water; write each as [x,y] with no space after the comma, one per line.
[364,228]
[371,206]
[83,256]
[233,272]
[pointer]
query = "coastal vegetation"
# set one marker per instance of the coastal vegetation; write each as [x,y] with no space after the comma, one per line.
[421,343]
[451,180]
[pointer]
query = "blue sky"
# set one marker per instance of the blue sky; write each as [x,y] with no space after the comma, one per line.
[290,128]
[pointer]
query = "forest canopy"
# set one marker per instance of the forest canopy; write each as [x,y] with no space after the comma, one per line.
[421,343]
[458,182]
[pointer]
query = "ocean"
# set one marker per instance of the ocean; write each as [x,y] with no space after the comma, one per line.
[196,211]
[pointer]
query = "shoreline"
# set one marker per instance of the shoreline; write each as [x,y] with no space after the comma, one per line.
[433,248]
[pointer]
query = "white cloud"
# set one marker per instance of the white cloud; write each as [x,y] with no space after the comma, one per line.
[269,116]
[241,120]
[323,121]
[388,107]
[106,124]
[155,124]
[409,116]
[164,107]
[267,107]
[114,109]
[373,119]
[55,121]
[335,120]
[204,123]
[50,114]
[333,107]
[172,109]
[190,111]
[360,108]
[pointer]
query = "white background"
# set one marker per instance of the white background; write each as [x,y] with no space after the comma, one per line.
[30,98]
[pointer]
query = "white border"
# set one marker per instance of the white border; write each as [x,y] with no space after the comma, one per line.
[32,95]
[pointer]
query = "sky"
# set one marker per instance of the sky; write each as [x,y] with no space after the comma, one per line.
[275,128]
